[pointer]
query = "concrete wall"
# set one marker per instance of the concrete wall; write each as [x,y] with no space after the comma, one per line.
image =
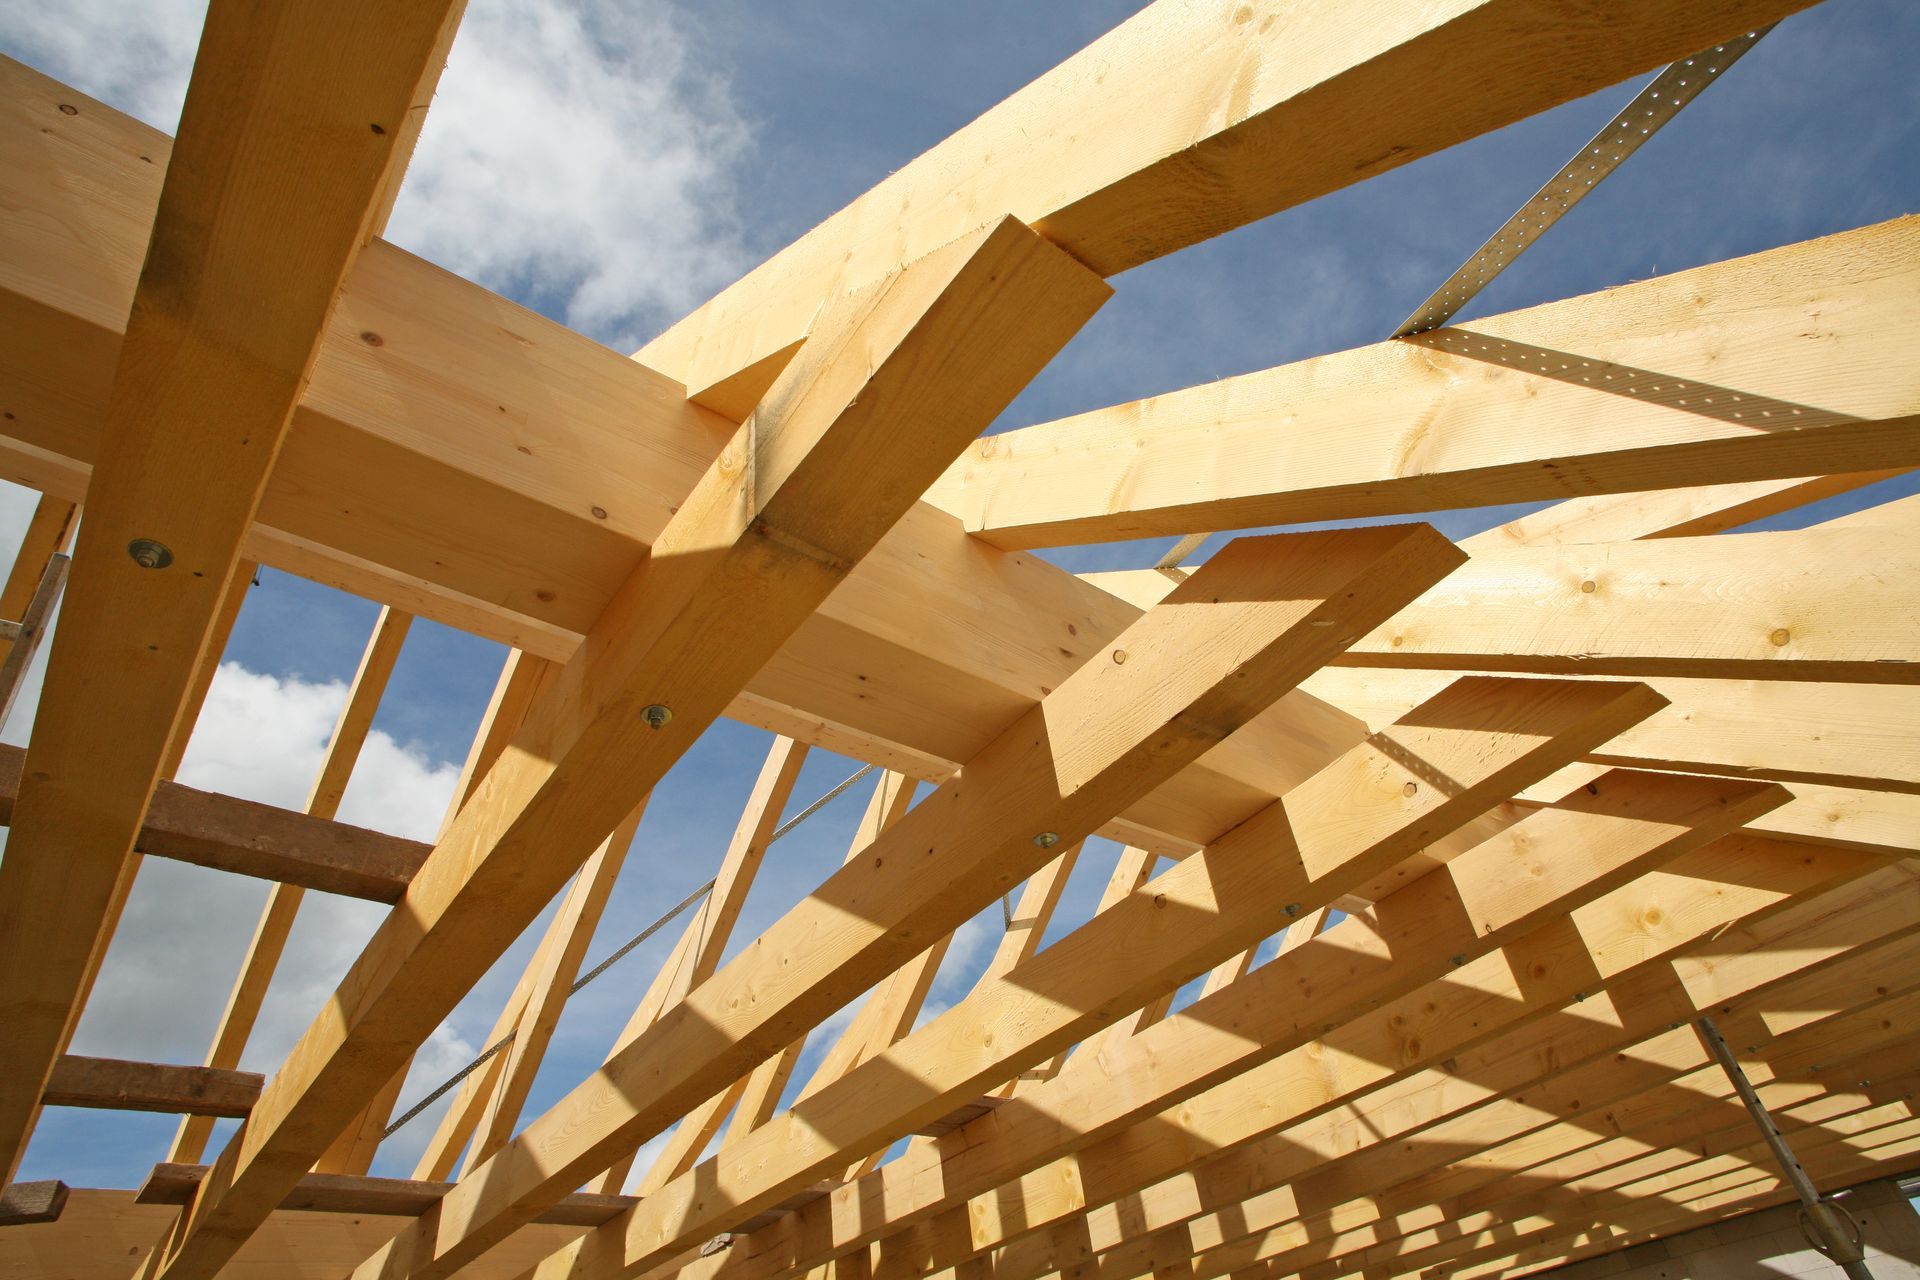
[1768,1244]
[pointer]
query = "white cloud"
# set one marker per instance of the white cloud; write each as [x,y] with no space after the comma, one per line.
[132,56]
[576,157]
[264,738]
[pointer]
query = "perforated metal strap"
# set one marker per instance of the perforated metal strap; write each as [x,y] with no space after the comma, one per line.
[1625,134]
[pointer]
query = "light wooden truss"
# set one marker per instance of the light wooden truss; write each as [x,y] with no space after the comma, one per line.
[1564,787]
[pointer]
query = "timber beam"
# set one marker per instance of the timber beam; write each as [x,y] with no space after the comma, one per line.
[1715,375]
[263,841]
[1765,606]
[357,1193]
[116,1085]
[1222,1132]
[24,1204]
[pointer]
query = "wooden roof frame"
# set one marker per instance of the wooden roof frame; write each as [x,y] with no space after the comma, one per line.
[1575,782]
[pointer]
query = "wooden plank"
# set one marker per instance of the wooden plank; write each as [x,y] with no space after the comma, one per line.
[285,137]
[454,469]
[116,1085]
[1843,735]
[354,1194]
[740,864]
[1666,513]
[248,838]
[1232,969]
[1298,1246]
[1028,925]
[1342,96]
[806,488]
[1487,895]
[1882,822]
[101,1231]
[1221,649]
[1532,1217]
[759,1089]
[30,630]
[1131,870]
[707,935]
[755,1096]
[1364,1248]
[49,532]
[522,678]
[1637,388]
[1835,1163]
[283,902]
[26,1203]
[1812,604]
[352,1150]
[1831,1115]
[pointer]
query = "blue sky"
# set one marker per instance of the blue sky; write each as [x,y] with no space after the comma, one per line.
[614,164]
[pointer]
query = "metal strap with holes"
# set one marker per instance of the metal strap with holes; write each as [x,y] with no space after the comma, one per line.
[1625,134]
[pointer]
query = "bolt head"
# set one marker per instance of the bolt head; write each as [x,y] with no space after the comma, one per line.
[1459,961]
[149,554]
[1047,839]
[656,715]
[1292,909]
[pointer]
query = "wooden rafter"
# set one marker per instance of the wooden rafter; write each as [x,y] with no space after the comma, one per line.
[1636,388]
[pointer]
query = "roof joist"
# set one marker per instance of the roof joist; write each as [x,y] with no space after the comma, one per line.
[1780,365]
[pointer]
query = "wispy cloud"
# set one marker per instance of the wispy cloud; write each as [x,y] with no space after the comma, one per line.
[576,156]
[134,57]
[578,159]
